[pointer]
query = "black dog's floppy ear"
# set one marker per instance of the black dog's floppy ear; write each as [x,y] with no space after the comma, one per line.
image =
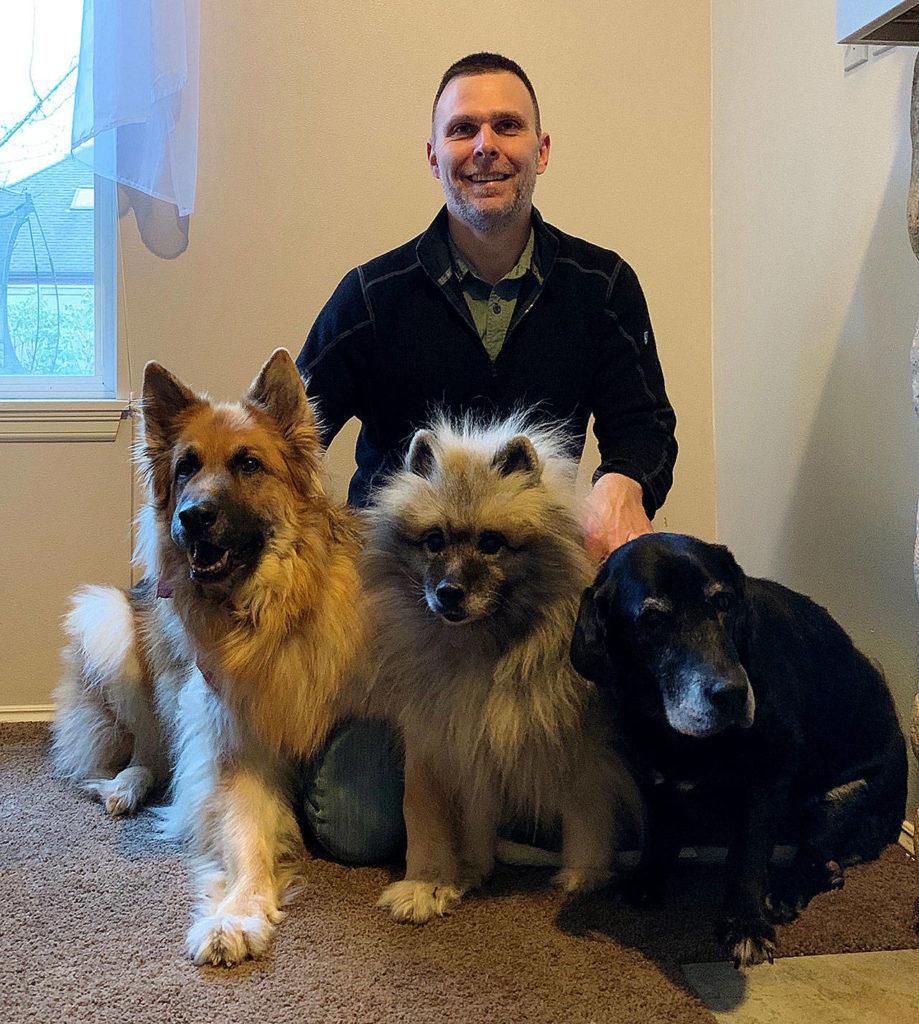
[589,654]
[742,616]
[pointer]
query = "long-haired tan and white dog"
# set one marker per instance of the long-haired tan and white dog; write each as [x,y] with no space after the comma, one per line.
[243,668]
[475,565]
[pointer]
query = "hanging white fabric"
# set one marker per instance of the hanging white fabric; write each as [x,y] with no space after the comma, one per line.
[135,114]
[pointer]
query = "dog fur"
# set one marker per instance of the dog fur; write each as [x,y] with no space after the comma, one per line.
[244,668]
[754,689]
[474,565]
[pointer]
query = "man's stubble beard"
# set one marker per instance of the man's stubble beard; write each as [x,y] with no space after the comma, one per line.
[469,212]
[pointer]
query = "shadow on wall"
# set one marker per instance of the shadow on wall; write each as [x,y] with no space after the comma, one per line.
[850,527]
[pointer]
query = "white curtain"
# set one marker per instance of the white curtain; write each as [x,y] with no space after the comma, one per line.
[135,117]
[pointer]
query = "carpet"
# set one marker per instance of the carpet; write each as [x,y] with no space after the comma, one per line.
[95,910]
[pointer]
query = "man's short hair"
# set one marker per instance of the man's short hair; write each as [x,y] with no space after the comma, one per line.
[484,64]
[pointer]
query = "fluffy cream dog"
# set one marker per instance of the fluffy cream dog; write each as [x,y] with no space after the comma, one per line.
[475,565]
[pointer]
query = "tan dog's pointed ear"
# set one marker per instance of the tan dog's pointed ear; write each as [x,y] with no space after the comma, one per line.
[279,390]
[165,398]
[421,459]
[518,456]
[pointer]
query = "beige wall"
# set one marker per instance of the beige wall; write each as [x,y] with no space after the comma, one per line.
[815,306]
[313,123]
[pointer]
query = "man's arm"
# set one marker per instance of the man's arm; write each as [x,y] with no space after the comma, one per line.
[332,361]
[633,421]
[613,514]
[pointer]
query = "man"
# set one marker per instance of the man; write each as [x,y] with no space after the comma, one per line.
[489,309]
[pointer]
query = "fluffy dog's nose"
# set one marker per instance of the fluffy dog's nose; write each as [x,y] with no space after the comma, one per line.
[450,595]
[198,519]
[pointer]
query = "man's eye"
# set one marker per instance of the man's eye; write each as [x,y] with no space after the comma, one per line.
[434,542]
[187,466]
[491,542]
[462,129]
[508,127]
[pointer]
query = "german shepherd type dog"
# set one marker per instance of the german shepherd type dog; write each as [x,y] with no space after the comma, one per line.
[474,566]
[752,689]
[245,665]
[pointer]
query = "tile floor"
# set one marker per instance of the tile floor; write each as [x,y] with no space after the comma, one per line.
[851,988]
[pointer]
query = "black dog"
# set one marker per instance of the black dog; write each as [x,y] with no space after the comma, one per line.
[746,685]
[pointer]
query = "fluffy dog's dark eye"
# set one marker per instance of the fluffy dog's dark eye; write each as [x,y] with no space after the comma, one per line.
[491,542]
[187,466]
[722,602]
[434,542]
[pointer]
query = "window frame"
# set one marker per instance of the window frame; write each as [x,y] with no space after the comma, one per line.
[103,385]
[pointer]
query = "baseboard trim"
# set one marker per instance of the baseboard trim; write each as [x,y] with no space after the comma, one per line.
[26,713]
[907,833]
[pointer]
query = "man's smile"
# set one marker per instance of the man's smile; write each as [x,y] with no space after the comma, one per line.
[484,179]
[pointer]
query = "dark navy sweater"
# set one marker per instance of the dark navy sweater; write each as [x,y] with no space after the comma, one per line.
[397,342]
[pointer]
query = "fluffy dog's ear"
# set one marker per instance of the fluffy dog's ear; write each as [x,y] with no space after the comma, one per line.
[589,654]
[518,456]
[165,398]
[421,459]
[279,390]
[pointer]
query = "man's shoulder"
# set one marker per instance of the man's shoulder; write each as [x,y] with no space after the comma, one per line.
[402,259]
[583,255]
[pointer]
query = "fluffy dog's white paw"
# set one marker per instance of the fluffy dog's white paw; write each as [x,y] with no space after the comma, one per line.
[228,939]
[581,879]
[419,901]
[125,793]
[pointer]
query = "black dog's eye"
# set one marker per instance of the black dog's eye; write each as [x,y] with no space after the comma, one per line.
[187,466]
[652,618]
[491,542]
[722,602]
[434,541]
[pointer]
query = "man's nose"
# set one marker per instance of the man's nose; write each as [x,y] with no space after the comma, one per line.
[486,142]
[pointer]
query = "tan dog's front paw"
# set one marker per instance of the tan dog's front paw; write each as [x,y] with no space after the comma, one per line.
[581,879]
[228,939]
[418,902]
[125,793]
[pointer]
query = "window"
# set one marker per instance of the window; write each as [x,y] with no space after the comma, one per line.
[58,222]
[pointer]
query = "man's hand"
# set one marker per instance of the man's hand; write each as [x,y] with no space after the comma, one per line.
[612,515]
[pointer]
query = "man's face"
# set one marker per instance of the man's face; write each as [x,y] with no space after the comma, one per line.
[485,150]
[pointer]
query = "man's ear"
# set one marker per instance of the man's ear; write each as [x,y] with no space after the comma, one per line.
[279,391]
[165,398]
[589,653]
[432,160]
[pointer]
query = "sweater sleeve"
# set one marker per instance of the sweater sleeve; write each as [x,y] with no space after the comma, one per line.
[633,419]
[333,360]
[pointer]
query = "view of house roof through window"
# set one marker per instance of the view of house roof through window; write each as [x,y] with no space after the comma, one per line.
[48,223]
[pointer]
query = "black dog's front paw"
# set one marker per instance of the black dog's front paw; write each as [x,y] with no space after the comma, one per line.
[750,939]
[795,888]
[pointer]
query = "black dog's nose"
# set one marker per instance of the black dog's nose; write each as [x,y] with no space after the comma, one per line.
[198,519]
[450,595]
[729,697]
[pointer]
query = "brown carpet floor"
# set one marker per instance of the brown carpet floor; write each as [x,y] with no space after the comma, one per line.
[94,912]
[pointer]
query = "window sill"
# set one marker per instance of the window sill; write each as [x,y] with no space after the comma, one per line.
[62,420]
